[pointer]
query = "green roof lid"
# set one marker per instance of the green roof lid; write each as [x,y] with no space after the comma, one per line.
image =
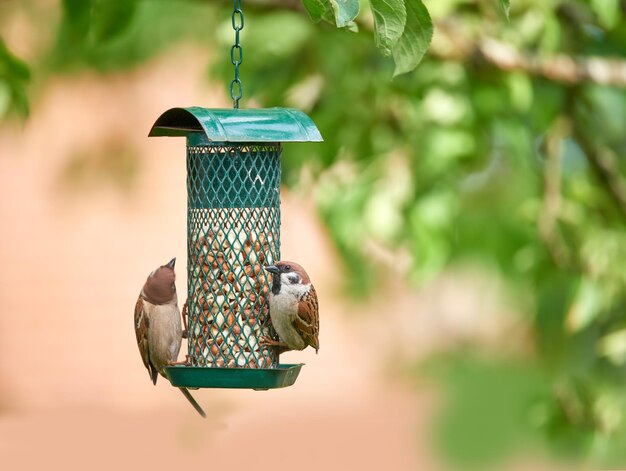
[237,125]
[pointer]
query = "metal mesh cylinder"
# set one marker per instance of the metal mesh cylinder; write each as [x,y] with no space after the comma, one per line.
[233,224]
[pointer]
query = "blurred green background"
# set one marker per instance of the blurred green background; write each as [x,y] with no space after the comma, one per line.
[500,156]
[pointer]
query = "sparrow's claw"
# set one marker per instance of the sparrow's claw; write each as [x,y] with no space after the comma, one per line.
[186,362]
[266,341]
[184,315]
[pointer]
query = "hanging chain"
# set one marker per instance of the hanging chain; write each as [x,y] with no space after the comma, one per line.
[236,54]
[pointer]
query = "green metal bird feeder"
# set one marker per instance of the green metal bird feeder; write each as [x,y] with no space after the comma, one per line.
[233,230]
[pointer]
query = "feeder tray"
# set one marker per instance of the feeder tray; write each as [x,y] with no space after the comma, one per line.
[234,378]
[233,231]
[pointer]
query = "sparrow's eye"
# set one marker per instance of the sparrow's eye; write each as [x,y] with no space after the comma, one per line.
[287,267]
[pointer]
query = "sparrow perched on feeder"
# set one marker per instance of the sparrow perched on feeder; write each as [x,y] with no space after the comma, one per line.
[293,308]
[157,325]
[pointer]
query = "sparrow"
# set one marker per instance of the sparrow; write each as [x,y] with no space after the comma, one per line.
[158,327]
[293,308]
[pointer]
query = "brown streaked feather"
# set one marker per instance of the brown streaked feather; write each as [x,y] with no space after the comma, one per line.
[142,323]
[307,321]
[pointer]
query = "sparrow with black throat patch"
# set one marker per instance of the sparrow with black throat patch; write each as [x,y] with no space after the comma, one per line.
[294,309]
[158,327]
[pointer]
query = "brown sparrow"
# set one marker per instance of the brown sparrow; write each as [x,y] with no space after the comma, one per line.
[293,308]
[157,325]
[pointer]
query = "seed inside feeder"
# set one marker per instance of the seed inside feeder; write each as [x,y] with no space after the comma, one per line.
[229,296]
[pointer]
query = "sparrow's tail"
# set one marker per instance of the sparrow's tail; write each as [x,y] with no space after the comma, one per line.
[193,402]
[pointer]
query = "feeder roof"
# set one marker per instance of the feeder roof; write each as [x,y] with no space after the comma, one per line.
[238,125]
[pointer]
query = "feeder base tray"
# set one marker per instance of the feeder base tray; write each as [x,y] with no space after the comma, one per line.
[233,378]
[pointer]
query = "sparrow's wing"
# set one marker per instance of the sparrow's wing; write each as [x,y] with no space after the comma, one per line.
[142,325]
[307,322]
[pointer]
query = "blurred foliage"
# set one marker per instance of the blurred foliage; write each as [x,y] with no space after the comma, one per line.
[474,157]
[112,34]
[492,409]
[14,77]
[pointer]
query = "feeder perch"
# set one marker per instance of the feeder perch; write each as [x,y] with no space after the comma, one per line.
[233,231]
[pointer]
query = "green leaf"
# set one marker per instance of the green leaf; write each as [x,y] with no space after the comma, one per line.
[319,10]
[5,99]
[345,11]
[99,20]
[586,307]
[338,12]
[418,32]
[608,12]
[77,16]
[112,17]
[14,78]
[12,68]
[506,6]
[490,409]
[389,21]
[352,26]
[613,346]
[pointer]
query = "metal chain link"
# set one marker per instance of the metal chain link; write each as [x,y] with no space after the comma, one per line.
[236,54]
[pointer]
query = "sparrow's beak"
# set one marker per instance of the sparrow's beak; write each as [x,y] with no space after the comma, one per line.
[272,269]
[171,263]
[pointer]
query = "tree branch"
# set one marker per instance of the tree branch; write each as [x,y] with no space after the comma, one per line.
[295,5]
[548,227]
[451,44]
[604,164]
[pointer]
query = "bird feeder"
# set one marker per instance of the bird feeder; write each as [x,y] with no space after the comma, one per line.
[233,231]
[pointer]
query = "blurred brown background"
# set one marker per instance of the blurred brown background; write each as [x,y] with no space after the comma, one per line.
[74,392]
[75,252]
[464,225]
